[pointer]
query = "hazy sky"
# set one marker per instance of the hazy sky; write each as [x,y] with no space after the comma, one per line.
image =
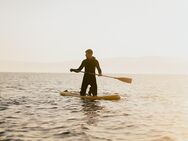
[58,30]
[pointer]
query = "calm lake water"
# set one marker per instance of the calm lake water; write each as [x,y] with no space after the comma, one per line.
[153,108]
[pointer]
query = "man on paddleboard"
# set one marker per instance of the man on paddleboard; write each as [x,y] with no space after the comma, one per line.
[90,64]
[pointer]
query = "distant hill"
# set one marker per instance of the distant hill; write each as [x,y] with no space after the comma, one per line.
[162,65]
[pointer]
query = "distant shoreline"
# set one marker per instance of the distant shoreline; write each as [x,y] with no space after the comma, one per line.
[164,74]
[126,65]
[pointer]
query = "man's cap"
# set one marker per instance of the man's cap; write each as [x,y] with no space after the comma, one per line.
[89,51]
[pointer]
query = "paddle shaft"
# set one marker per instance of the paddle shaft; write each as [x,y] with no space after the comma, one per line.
[98,74]
[123,79]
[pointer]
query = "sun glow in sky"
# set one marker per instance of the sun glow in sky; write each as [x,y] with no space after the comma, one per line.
[59,30]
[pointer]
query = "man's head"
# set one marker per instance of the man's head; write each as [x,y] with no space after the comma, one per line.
[89,53]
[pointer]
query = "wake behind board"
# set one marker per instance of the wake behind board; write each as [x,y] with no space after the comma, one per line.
[106,97]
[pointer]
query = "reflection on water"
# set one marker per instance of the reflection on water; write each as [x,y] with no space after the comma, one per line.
[153,108]
[91,110]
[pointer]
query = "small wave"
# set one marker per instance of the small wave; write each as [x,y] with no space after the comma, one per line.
[2,108]
[16,88]
[2,122]
[165,138]
[12,117]
[64,133]
[58,127]
[2,133]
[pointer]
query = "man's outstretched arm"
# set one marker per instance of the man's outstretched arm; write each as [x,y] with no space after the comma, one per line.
[78,69]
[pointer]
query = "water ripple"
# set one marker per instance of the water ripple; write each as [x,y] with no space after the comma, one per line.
[153,109]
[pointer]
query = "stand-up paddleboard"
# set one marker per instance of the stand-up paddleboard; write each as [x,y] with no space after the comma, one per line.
[106,97]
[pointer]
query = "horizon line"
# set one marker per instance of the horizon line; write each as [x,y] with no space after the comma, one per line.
[35,72]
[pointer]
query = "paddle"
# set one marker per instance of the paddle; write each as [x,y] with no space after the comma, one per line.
[123,79]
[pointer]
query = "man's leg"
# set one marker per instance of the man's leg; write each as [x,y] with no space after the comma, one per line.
[84,86]
[94,87]
[90,91]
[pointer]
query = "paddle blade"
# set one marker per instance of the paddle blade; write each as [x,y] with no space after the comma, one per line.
[124,79]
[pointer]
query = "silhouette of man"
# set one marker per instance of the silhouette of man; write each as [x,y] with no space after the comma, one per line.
[90,64]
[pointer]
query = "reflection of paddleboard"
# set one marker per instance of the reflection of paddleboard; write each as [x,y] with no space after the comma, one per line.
[106,97]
